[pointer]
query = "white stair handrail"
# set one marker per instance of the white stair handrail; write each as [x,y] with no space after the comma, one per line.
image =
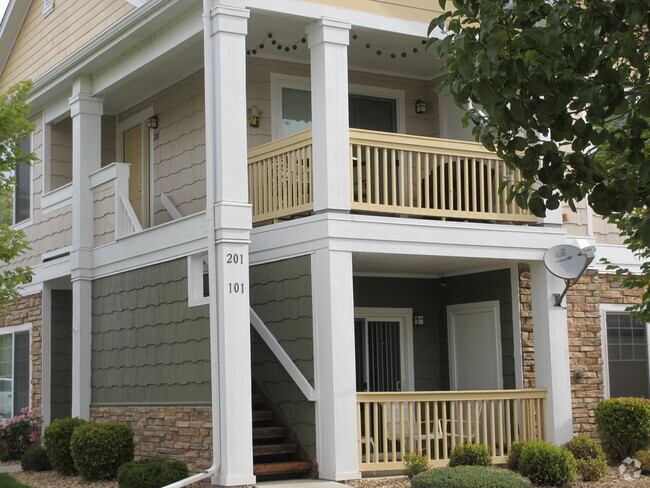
[131,219]
[169,206]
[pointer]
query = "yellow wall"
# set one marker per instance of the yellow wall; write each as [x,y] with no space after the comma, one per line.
[43,42]
[418,10]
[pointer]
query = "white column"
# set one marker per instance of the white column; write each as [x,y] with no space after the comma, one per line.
[86,112]
[334,365]
[551,342]
[229,222]
[328,43]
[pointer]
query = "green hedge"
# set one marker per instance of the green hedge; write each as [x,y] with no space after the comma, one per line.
[546,464]
[514,454]
[150,473]
[98,450]
[57,444]
[35,460]
[592,464]
[469,477]
[624,424]
[470,455]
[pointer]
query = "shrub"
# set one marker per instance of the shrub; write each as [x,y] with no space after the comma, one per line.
[415,463]
[469,477]
[150,473]
[593,469]
[624,424]
[644,458]
[57,444]
[582,447]
[18,434]
[546,464]
[98,450]
[35,460]
[470,455]
[514,454]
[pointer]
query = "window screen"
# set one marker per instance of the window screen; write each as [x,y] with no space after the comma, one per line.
[627,351]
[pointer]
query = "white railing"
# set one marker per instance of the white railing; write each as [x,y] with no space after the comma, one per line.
[126,221]
[392,424]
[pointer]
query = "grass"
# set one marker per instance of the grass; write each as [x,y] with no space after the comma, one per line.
[7,481]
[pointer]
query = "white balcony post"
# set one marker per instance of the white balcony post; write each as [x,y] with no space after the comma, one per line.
[551,343]
[328,43]
[86,112]
[229,221]
[334,361]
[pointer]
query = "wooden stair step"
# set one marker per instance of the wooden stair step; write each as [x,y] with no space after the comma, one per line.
[257,399]
[268,432]
[272,449]
[263,415]
[282,468]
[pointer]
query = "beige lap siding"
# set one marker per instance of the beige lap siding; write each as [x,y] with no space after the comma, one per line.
[585,342]
[23,311]
[182,433]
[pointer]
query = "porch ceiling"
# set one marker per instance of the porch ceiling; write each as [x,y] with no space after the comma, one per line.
[381,264]
[289,32]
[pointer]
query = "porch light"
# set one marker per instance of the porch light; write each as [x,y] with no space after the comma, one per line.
[254,115]
[420,106]
[418,320]
[152,122]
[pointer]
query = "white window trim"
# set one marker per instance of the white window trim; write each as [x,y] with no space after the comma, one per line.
[280,81]
[27,222]
[50,117]
[13,329]
[406,315]
[615,308]
[195,296]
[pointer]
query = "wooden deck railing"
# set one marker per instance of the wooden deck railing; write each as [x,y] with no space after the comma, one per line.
[405,174]
[392,424]
[280,177]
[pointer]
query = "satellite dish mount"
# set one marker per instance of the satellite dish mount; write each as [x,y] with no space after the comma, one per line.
[569,263]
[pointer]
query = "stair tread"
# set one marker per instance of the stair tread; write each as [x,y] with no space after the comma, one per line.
[282,468]
[263,415]
[271,449]
[266,432]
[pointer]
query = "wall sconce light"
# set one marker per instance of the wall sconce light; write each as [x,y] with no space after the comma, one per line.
[418,319]
[254,115]
[152,122]
[420,106]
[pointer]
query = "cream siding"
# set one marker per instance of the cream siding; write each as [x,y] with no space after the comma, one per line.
[576,223]
[417,10]
[44,42]
[604,232]
[104,213]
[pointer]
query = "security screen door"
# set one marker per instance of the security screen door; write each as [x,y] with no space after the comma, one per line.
[378,348]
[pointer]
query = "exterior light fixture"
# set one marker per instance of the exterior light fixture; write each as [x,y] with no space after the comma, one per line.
[152,122]
[254,115]
[418,319]
[420,106]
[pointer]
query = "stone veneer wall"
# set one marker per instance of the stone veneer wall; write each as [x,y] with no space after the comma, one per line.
[585,343]
[23,311]
[183,433]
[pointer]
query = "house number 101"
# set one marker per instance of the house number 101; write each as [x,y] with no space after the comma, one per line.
[235,288]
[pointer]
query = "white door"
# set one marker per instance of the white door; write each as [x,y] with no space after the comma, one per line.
[474,346]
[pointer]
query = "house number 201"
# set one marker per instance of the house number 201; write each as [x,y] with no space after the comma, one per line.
[234,258]
[235,288]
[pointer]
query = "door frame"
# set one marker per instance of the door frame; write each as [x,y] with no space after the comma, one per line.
[452,310]
[122,126]
[406,336]
[280,81]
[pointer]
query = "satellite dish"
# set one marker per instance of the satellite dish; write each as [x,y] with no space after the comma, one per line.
[569,263]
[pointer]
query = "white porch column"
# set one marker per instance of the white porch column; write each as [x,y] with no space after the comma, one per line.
[86,112]
[551,342]
[328,43]
[333,312]
[229,221]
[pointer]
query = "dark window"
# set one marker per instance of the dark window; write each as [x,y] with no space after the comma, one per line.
[627,352]
[22,198]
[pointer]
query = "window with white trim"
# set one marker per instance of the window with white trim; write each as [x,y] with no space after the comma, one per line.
[14,371]
[17,208]
[198,291]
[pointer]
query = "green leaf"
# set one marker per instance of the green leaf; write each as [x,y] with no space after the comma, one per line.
[466,67]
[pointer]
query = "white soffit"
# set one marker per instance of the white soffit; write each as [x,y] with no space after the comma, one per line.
[12,22]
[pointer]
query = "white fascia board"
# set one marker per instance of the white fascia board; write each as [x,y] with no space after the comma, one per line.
[12,22]
[172,240]
[357,18]
[43,272]
[360,233]
[56,199]
[617,254]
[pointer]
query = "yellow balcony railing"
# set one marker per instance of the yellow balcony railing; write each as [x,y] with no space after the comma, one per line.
[392,424]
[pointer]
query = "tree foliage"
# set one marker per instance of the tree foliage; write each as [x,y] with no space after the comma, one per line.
[14,127]
[559,89]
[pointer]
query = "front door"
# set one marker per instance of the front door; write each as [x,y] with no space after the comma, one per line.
[474,333]
[133,154]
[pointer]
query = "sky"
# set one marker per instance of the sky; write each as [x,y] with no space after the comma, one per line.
[3,7]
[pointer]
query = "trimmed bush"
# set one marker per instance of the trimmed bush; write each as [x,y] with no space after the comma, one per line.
[592,469]
[546,464]
[35,460]
[470,455]
[98,450]
[150,473]
[624,424]
[57,444]
[469,477]
[515,452]
[415,463]
[644,458]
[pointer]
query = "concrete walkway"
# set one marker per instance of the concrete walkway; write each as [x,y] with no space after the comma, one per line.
[300,484]
[10,468]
